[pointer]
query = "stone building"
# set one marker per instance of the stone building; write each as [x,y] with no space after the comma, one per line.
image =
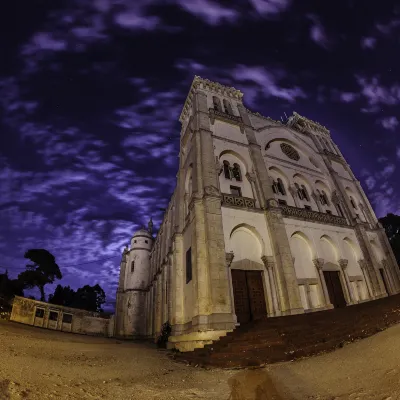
[267,219]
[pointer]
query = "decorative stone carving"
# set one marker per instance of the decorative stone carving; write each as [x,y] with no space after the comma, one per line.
[275,216]
[343,263]
[362,263]
[319,262]
[310,215]
[272,203]
[303,124]
[290,151]
[238,201]
[268,261]
[333,156]
[211,191]
[229,258]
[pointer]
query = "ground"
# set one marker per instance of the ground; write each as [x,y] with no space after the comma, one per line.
[40,364]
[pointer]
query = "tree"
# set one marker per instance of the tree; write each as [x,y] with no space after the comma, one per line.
[63,296]
[10,287]
[391,223]
[43,271]
[90,298]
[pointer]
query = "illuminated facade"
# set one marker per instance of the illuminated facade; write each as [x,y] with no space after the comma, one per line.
[267,218]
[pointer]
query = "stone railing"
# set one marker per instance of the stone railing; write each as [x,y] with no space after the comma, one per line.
[309,215]
[238,201]
[224,116]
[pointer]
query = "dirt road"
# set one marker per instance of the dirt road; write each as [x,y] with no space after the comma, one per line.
[40,364]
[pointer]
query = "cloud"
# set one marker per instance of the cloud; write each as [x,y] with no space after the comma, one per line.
[389,27]
[389,123]
[268,8]
[209,11]
[398,152]
[387,171]
[368,43]
[376,94]
[266,83]
[317,32]
[370,182]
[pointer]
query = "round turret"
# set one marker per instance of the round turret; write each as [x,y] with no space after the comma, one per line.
[142,239]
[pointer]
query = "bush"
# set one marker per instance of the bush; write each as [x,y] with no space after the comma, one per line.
[162,339]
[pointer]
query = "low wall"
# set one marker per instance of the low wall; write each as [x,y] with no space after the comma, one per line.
[67,319]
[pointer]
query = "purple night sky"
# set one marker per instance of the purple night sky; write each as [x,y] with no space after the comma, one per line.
[91,91]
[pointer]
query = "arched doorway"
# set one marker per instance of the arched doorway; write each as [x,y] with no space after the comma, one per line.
[248,274]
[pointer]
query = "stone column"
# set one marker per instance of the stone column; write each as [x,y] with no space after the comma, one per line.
[363,266]
[251,178]
[273,306]
[229,258]
[319,262]
[293,192]
[343,265]
[317,202]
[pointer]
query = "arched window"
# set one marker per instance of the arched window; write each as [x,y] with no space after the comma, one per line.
[228,107]
[237,174]
[217,103]
[323,198]
[299,191]
[227,170]
[305,193]
[275,186]
[353,203]
[132,266]
[281,187]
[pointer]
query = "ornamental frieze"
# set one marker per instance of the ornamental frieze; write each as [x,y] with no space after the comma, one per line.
[309,215]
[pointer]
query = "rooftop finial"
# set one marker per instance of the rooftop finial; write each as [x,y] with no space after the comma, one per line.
[150,226]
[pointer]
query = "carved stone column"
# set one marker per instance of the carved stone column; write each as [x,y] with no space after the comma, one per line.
[343,265]
[363,265]
[293,192]
[273,306]
[252,179]
[319,262]
[317,202]
[229,258]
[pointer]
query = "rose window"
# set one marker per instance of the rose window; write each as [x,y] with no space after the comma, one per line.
[290,151]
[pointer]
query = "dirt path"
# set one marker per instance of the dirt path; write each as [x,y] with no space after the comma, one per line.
[40,364]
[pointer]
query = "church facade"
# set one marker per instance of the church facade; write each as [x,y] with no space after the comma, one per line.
[267,219]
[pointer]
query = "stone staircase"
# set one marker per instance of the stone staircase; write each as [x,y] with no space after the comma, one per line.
[272,340]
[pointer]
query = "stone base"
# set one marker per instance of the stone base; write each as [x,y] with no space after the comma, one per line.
[194,340]
[293,311]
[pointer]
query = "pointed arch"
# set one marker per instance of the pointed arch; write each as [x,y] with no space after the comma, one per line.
[236,155]
[330,250]
[253,231]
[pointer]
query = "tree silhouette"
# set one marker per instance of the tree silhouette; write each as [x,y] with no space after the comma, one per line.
[89,298]
[44,270]
[391,223]
[63,296]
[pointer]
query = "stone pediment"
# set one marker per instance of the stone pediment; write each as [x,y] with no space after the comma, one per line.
[247,265]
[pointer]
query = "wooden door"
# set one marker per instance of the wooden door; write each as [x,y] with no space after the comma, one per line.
[255,288]
[241,296]
[335,290]
[384,280]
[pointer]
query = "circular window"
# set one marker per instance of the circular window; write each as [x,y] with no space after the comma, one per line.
[290,151]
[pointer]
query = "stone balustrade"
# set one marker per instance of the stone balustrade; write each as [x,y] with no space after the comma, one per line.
[238,201]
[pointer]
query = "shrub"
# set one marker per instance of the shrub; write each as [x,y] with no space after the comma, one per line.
[162,339]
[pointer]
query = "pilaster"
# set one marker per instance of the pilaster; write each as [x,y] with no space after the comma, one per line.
[319,263]
[229,258]
[363,266]
[273,305]
[343,265]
